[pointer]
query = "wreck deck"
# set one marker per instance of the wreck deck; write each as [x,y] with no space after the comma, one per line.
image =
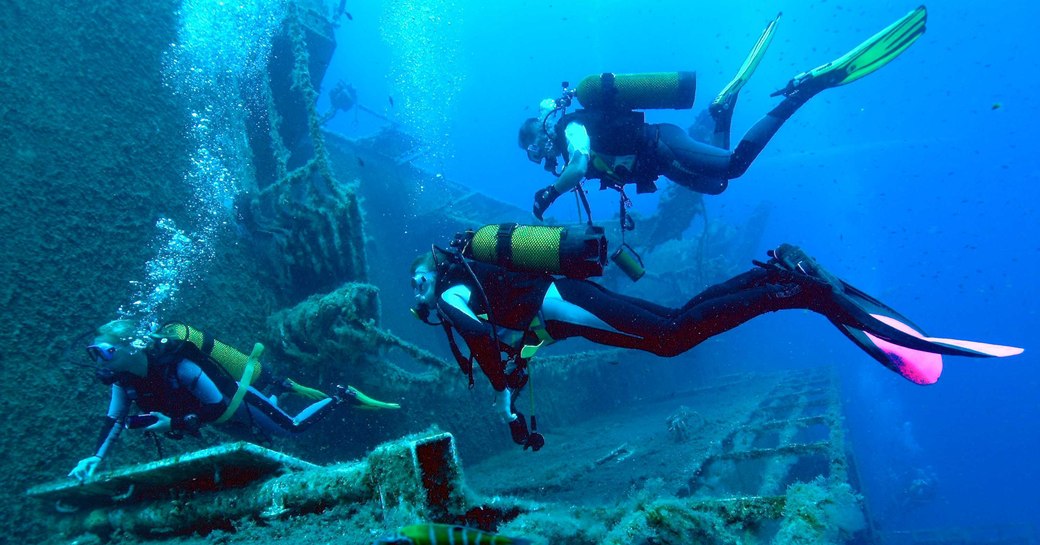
[218,468]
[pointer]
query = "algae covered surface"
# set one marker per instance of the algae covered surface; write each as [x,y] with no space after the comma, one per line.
[175,160]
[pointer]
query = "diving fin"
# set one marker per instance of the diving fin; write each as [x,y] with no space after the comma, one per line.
[864,59]
[725,99]
[368,402]
[899,344]
[881,331]
[303,391]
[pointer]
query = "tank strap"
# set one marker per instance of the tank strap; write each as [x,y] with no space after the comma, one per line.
[466,364]
[537,327]
[243,385]
[608,84]
[580,190]
[208,341]
[504,245]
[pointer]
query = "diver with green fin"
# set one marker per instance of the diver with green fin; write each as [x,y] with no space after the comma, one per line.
[181,379]
[608,139]
[512,289]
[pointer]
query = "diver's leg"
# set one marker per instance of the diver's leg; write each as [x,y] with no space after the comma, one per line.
[273,419]
[864,59]
[578,308]
[726,305]
[721,109]
[689,163]
[653,308]
[723,123]
[756,138]
[700,167]
[878,329]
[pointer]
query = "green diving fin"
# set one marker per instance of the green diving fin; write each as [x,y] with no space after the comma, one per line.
[529,350]
[864,59]
[369,403]
[728,95]
[303,391]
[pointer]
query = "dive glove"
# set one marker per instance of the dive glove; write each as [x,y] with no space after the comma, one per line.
[542,199]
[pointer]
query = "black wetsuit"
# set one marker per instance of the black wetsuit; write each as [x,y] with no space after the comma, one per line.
[628,322]
[664,149]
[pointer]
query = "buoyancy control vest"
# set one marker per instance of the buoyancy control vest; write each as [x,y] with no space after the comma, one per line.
[610,132]
[160,390]
[612,135]
[232,371]
[179,339]
[175,342]
[616,130]
[536,251]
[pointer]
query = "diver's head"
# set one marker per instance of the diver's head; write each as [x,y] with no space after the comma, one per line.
[533,140]
[424,284]
[117,352]
[530,133]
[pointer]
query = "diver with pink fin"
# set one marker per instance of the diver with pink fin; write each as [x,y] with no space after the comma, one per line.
[494,289]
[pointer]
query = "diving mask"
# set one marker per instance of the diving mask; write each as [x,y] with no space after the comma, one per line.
[424,283]
[101,352]
[535,153]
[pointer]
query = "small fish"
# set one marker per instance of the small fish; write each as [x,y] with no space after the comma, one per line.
[445,534]
[360,162]
[995,106]
[349,16]
[391,101]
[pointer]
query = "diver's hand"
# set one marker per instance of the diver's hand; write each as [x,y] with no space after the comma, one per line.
[162,425]
[85,468]
[504,406]
[542,199]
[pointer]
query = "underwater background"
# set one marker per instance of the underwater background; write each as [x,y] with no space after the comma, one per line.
[917,184]
[124,166]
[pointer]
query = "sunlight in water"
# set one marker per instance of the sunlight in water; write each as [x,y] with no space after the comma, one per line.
[424,38]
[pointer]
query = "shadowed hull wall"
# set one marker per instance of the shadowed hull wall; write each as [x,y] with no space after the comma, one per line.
[94,151]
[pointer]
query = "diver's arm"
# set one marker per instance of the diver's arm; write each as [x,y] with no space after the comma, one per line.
[110,430]
[213,403]
[454,304]
[578,151]
[118,406]
[573,173]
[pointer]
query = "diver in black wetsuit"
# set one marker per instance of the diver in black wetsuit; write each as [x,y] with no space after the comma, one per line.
[498,311]
[609,140]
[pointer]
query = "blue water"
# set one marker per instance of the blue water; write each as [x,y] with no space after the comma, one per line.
[917,184]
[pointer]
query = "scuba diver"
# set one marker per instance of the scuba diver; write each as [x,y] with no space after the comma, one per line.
[181,379]
[500,289]
[608,139]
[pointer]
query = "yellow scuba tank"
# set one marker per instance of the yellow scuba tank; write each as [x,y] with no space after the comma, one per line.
[575,251]
[230,359]
[649,91]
